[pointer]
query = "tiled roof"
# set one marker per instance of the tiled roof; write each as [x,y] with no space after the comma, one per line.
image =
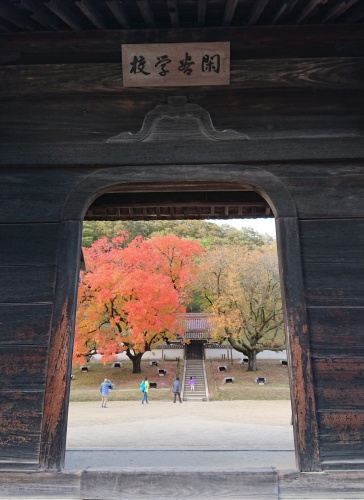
[197,325]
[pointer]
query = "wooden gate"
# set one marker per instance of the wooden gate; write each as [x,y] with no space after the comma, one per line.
[195,349]
[285,137]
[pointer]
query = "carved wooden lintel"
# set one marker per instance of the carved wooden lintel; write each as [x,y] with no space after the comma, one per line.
[178,120]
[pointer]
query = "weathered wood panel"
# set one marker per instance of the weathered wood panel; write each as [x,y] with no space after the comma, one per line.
[28,255]
[339,383]
[27,284]
[25,324]
[248,42]
[283,150]
[332,253]
[336,331]
[335,284]
[103,78]
[28,244]
[342,436]
[342,391]
[36,197]
[21,420]
[172,483]
[333,192]
[23,367]
[339,240]
[95,118]
[291,485]
[327,485]
[41,485]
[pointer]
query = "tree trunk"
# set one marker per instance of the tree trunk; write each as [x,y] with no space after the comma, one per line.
[136,364]
[252,365]
[136,360]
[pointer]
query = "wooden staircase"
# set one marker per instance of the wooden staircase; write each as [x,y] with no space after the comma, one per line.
[195,368]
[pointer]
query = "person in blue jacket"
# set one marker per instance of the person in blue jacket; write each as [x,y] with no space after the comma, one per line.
[104,389]
[177,390]
[145,388]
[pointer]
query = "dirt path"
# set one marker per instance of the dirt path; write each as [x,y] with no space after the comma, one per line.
[233,425]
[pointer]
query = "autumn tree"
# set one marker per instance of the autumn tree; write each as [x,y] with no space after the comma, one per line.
[130,295]
[242,289]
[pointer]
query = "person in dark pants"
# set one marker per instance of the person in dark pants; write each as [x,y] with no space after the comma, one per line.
[177,390]
[145,388]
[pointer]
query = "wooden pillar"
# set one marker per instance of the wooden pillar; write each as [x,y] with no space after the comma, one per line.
[332,257]
[39,261]
[298,349]
[54,425]
[28,257]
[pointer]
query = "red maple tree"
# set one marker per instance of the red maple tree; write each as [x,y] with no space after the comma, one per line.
[130,295]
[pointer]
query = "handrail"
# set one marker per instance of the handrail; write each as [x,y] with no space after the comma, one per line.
[205,379]
[184,378]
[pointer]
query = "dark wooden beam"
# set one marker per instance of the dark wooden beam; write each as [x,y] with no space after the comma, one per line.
[280,12]
[119,12]
[356,14]
[256,10]
[175,205]
[173,12]
[291,484]
[229,12]
[40,15]
[283,10]
[309,10]
[13,17]
[91,12]
[4,27]
[61,10]
[66,79]
[338,10]
[201,12]
[240,484]
[254,42]
[267,150]
[147,13]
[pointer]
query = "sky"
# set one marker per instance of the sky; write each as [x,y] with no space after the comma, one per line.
[259,225]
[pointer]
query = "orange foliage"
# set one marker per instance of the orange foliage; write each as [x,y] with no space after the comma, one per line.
[130,295]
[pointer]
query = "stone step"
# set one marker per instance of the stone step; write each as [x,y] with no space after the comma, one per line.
[194,368]
[200,390]
[197,395]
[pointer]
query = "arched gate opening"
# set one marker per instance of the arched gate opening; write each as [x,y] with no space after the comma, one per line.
[192,179]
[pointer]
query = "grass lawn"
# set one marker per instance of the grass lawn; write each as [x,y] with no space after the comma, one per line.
[85,385]
[244,386]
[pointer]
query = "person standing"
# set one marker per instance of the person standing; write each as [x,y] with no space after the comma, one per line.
[145,388]
[104,390]
[192,383]
[177,390]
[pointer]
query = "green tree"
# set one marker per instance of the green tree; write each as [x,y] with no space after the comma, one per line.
[207,233]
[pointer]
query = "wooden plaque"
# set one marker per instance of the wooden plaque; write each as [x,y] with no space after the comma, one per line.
[176,65]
